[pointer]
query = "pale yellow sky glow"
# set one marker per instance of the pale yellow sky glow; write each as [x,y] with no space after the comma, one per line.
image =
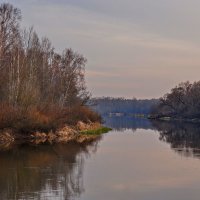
[137,48]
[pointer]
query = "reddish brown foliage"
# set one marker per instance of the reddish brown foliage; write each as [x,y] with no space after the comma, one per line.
[43,118]
[82,113]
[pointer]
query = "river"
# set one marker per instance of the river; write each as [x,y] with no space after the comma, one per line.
[138,160]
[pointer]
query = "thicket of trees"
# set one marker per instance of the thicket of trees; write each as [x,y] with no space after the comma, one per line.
[182,102]
[36,82]
[106,105]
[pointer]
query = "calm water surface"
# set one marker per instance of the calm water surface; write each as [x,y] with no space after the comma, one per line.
[138,160]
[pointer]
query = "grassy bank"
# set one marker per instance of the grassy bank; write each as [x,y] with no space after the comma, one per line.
[81,133]
[98,131]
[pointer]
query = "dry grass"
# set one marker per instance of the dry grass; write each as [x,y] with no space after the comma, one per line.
[82,113]
[43,118]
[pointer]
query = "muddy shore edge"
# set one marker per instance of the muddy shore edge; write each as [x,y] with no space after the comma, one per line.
[81,133]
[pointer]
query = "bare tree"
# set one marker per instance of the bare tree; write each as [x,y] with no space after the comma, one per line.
[182,101]
[32,72]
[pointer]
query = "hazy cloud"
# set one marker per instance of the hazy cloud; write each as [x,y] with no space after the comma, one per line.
[134,47]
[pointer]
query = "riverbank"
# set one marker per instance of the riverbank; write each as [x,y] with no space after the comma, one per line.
[179,119]
[81,133]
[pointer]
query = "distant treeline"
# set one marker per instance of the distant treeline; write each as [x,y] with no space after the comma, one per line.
[183,101]
[106,105]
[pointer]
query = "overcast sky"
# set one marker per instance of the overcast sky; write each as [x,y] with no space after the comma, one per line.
[135,48]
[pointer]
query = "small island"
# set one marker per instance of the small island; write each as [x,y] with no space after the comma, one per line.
[43,95]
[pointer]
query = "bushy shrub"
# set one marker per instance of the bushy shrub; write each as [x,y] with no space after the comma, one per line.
[9,115]
[82,113]
[43,118]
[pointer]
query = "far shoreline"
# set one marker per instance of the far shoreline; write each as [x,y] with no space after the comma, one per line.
[173,119]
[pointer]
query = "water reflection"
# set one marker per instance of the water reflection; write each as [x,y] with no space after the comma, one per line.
[127,166]
[44,172]
[184,138]
[123,123]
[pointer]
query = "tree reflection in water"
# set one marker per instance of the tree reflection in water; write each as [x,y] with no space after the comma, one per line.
[44,172]
[184,138]
[56,171]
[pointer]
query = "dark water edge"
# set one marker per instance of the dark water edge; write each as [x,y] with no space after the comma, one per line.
[39,172]
[9,139]
[110,167]
[183,136]
[174,119]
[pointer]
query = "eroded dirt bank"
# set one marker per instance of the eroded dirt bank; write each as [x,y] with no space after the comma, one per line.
[66,134]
